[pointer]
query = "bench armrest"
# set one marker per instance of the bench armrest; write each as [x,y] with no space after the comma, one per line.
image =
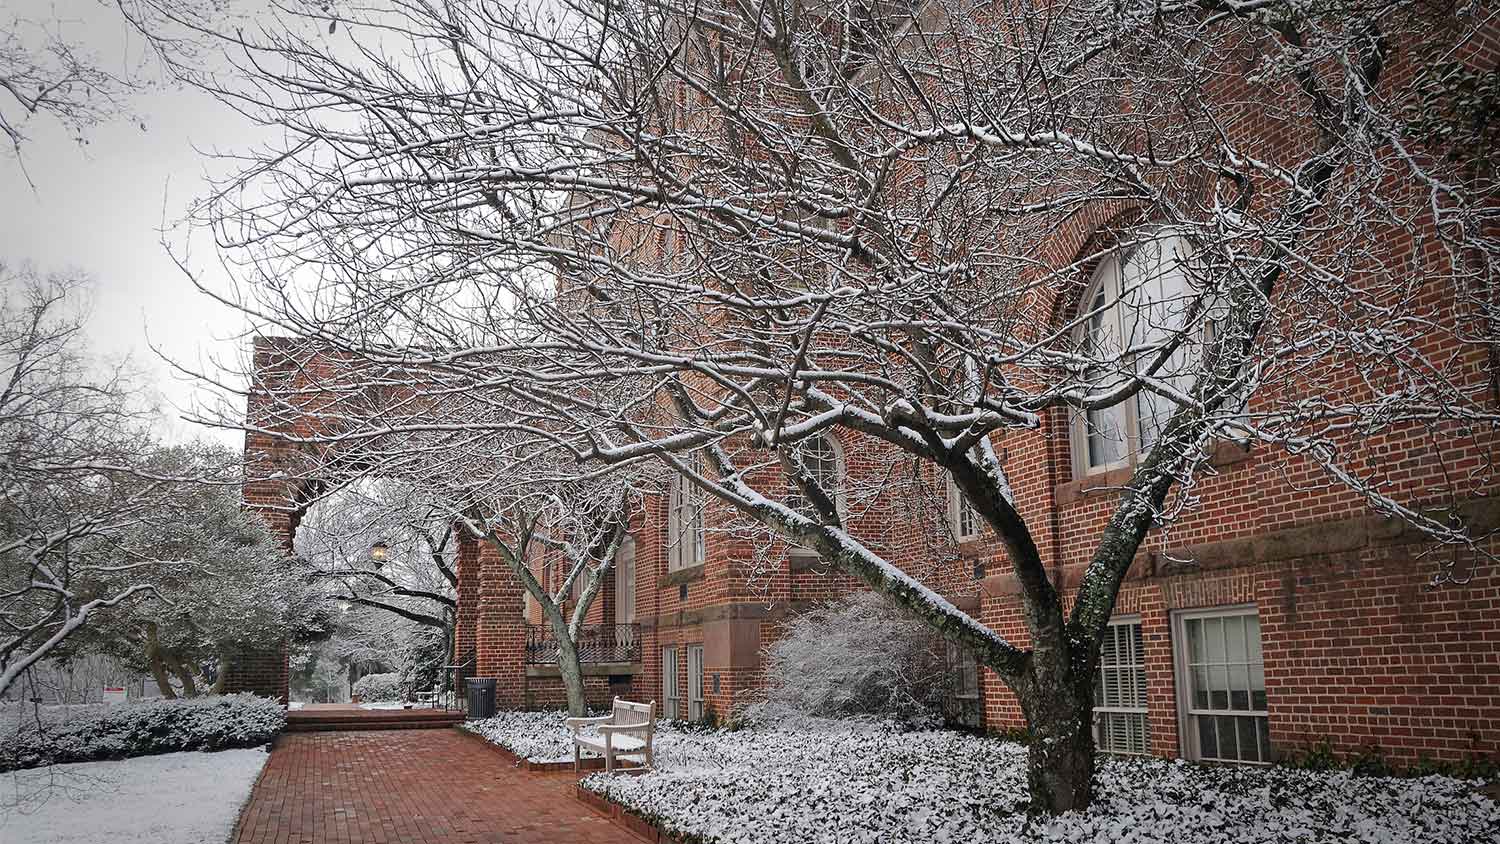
[574,723]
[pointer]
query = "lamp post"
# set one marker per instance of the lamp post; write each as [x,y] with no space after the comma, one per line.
[379,551]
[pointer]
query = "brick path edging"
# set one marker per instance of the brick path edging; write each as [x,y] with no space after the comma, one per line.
[627,818]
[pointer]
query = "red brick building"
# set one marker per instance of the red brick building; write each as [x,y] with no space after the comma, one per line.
[1277,614]
[1280,612]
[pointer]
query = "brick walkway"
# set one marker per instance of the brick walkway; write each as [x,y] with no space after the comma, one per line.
[411,787]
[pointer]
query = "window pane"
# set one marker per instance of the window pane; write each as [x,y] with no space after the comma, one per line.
[1213,637]
[1218,693]
[1197,651]
[1106,435]
[1263,734]
[1200,688]
[1252,636]
[1234,631]
[1249,746]
[1239,687]
[1228,745]
[1208,745]
[1257,688]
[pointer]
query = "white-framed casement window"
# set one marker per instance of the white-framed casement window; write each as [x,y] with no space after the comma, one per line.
[1120,723]
[963,519]
[685,540]
[625,581]
[824,461]
[1138,297]
[671,683]
[695,682]
[1221,685]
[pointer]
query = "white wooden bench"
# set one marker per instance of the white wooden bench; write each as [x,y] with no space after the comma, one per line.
[626,731]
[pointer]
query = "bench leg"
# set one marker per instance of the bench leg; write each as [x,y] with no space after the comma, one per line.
[577,758]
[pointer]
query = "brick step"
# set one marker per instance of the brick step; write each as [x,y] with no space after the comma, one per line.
[302,721]
[368,724]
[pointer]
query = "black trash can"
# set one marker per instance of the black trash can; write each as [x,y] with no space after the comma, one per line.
[481,697]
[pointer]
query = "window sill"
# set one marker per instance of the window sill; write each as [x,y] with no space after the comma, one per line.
[1226,453]
[801,559]
[687,575]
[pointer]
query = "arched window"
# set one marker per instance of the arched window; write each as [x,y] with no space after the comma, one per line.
[685,545]
[825,462]
[1138,298]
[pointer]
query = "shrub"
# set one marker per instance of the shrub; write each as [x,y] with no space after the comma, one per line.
[142,729]
[857,656]
[379,688]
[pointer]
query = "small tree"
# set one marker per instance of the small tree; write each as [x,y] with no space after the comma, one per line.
[561,545]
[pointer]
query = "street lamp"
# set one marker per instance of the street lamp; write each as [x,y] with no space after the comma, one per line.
[379,551]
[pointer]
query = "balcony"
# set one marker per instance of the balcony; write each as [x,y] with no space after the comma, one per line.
[612,644]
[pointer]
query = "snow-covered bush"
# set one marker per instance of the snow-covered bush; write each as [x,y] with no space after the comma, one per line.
[860,783]
[137,729]
[857,656]
[379,688]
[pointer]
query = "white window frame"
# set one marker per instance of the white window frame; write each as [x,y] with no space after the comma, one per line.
[625,581]
[963,519]
[1109,276]
[685,524]
[1187,714]
[1136,660]
[671,685]
[695,682]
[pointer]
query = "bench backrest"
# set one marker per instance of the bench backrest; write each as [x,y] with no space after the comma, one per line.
[630,714]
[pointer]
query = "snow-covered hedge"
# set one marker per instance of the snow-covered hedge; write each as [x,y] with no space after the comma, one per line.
[379,688]
[862,784]
[140,729]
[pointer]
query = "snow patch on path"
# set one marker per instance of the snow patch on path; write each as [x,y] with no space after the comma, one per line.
[174,798]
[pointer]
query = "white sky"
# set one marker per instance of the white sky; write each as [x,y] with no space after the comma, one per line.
[101,207]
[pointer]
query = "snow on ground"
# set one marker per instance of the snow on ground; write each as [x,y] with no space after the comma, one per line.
[174,798]
[870,784]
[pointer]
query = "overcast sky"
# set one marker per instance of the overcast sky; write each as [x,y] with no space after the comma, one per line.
[101,207]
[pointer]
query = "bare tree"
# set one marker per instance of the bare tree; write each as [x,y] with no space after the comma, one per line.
[561,544]
[714,234]
[70,433]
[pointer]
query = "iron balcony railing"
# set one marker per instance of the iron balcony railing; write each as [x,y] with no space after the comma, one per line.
[596,643]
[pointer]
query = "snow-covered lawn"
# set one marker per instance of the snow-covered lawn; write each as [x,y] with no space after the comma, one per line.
[174,798]
[846,784]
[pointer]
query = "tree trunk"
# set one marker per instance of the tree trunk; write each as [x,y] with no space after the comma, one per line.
[220,677]
[572,676]
[189,686]
[158,668]
[1060,760]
